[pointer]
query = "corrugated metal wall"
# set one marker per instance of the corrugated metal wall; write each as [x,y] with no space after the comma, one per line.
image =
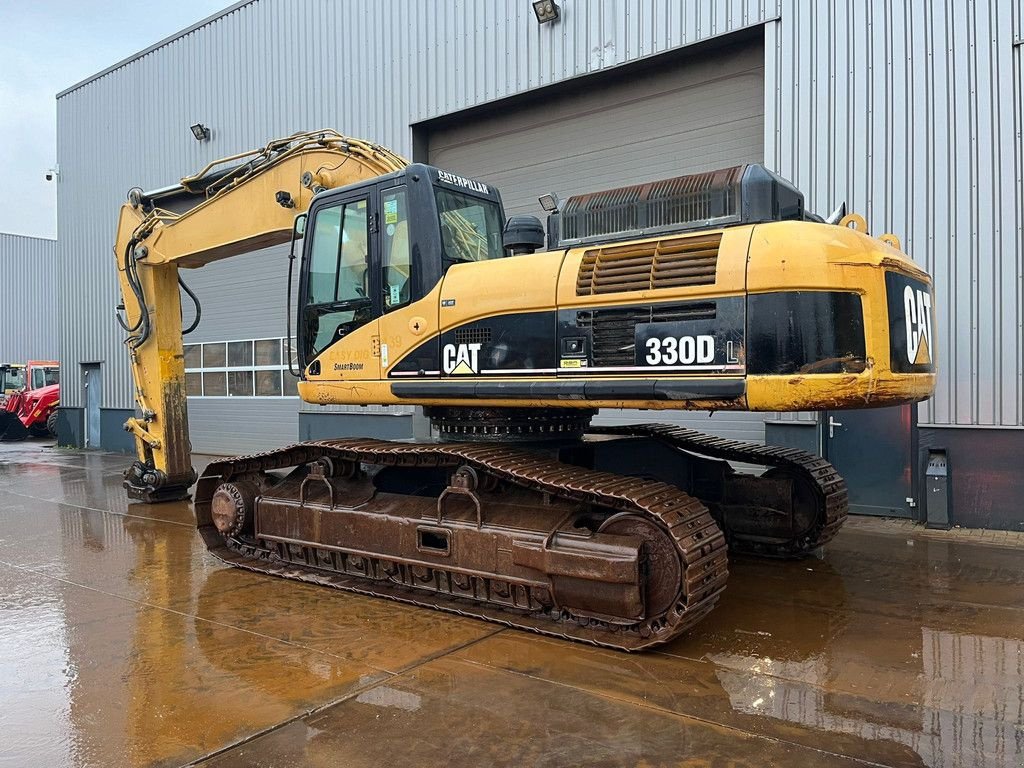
[696,114]
[1018,143]
[910,111]
[28,298]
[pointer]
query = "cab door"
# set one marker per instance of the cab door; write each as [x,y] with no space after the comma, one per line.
[407,317]
[340,294]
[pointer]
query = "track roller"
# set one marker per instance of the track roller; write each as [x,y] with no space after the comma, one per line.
[500,534]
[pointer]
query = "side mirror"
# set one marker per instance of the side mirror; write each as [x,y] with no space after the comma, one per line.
[299,227]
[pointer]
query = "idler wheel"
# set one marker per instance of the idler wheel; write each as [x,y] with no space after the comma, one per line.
[663,579]
[233,506]
[804,515]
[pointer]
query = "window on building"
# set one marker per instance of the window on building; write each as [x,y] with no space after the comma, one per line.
[244,368]
[214,355]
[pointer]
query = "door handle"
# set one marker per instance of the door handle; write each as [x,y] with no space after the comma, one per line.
[832,424]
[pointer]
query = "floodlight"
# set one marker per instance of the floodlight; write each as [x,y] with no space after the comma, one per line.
[546,10]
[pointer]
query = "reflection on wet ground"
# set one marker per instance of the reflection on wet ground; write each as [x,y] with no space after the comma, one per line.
[123,643]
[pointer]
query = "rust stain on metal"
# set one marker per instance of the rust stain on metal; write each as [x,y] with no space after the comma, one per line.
[608,559]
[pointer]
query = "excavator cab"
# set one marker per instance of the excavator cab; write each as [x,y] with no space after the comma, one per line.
[12,378]
[373,247]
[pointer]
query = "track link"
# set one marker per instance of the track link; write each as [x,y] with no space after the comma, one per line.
[829,486]
[698,540]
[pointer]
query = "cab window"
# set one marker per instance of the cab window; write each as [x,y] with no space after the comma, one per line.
[13,379]
[339,266]
[470,227]
[338,280]
[396,251]
[43,377]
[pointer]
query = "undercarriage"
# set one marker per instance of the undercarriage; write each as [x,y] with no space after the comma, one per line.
[617,539]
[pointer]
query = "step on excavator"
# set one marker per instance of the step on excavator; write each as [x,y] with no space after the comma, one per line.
[712,291]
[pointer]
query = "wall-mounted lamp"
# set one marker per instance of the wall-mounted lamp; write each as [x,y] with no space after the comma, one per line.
[200,131]
[546,11]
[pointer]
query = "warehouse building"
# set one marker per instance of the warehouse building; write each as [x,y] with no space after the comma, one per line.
[909,112]
[28,298]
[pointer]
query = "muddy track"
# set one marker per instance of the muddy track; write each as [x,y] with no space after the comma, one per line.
[697,539]
[829,487]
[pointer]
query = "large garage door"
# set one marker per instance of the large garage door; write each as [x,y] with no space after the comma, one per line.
[694,115]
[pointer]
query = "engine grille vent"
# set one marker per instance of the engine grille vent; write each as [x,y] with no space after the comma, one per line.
[684,202]
[472,335]
[613,330]
[671,263]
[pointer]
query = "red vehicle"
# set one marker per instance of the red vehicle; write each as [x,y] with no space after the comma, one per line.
[31,410]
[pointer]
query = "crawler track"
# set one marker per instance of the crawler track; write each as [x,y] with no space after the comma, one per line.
[829,488]
[697,539]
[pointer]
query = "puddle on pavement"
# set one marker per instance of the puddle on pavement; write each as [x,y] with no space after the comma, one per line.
[123,642]
[88,677]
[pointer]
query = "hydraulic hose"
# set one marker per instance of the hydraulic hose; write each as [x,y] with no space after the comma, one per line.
[195,302]
[142,325]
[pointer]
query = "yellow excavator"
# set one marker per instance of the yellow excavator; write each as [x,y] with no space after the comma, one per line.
[713,291]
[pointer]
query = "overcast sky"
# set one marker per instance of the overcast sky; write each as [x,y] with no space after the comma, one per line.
[46,46]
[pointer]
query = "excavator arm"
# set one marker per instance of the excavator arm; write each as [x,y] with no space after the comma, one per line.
[232,206]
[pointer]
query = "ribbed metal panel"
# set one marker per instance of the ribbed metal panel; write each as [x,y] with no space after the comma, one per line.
[1018,143]
[911,112]
[28,298]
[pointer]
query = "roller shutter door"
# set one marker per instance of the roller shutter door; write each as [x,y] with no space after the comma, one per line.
[243,300]
[692,116]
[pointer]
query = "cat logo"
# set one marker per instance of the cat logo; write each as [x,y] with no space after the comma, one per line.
[461,358]
[918,315]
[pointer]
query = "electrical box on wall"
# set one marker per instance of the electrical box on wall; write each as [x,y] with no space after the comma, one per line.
[937,492]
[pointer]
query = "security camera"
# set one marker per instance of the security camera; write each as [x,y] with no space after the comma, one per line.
[52,173]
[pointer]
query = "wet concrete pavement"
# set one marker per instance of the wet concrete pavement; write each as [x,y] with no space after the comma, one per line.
[123,643]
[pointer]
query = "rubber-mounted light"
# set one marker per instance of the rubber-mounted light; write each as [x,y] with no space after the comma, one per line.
[549,202]
[546,11]
[200,131]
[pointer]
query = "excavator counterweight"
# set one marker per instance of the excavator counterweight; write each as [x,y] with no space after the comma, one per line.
[715,291]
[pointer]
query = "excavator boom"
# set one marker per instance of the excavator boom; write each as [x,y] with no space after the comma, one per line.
[185,226]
